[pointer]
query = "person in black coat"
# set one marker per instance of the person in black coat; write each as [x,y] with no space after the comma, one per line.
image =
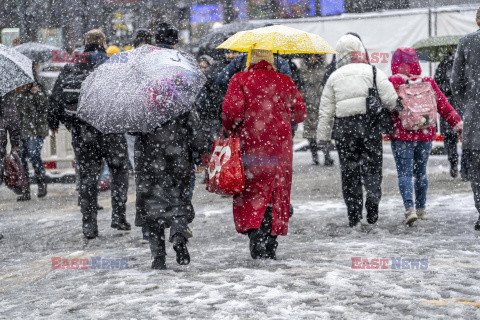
[209,106]
[90,145]
[442,78]
[163,165]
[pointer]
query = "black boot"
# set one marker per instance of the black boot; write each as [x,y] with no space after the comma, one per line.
[159,263]
[89,223]
[1,236]
[477,225]
[353,219]
[119,221]
[271,247]
[328,160]
[454,169]
[314,150]
[180,247]
[42,186]
[156,238]
[121,225]
[258,239]
[372,211]
[25,196]
[90,229]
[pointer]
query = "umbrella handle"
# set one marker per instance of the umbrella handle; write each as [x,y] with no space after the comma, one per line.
[178,56]
[249,54]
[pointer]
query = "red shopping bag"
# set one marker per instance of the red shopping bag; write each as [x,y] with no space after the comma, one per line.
[14,175]
[225,175]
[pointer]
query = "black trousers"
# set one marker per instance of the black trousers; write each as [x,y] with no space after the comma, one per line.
[90,147]
[473,169]
[361,158]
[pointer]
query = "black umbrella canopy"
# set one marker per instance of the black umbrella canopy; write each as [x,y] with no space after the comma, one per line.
[37,52]
[214,37]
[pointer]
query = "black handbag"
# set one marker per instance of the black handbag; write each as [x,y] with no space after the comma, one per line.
[379,118]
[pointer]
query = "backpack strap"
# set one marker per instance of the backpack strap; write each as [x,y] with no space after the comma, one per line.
[374,77]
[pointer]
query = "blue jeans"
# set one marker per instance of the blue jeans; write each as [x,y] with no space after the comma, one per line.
[31,149]
[411,158]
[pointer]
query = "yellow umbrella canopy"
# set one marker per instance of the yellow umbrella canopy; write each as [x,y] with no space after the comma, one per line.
[278,38]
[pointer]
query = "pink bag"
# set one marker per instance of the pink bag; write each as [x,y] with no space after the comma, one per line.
[419,104]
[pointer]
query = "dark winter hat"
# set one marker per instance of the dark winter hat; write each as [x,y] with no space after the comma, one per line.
[142,36]
[166,34]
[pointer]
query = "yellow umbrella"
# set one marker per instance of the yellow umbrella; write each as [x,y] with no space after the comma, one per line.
[278,38]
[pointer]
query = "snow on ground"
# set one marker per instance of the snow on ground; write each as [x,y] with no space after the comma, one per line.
[312,278]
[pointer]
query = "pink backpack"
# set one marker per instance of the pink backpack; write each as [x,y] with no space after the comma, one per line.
[419,103]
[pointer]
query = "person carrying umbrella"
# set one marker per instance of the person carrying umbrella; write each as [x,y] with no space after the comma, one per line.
[89,144]
[16,71]
[164,159]
[260,107]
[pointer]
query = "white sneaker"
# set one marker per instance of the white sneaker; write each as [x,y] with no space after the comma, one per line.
[422,214]
[410,216]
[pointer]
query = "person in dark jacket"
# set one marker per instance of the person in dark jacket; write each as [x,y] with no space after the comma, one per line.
[312,70]
[31,104]
[209,107]
[442,78]
[91,146]
[163,164]
[9,123]
[240,63]
[465,84]
[142,36]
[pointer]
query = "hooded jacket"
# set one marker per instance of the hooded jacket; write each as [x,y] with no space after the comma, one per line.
[346,89]
[405,62]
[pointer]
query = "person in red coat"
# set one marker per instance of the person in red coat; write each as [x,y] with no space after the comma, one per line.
[260,107]
[411,148]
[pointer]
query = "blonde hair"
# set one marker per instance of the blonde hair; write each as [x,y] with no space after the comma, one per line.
[258,55]
[95,36]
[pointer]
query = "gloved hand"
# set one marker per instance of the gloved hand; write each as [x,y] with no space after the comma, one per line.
[458,129]
[323,145]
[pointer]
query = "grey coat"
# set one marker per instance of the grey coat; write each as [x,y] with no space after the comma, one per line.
[465,83]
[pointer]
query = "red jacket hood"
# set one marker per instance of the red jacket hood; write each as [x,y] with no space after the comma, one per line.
[261,65]
[405,61]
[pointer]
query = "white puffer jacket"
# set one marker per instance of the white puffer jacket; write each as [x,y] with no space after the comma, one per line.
[346,90]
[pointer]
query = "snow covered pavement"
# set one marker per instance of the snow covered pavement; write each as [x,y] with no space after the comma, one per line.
[313,277]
